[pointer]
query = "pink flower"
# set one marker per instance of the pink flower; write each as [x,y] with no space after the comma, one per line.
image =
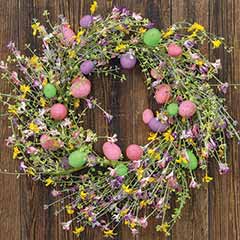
[193,184]
[66,225]
[223,168]
[32,150]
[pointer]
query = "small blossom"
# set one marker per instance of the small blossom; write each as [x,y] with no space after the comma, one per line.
[223,168]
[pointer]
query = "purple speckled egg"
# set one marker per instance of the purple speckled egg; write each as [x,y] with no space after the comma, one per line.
[58,111]
[187,109]
[147,115]
[111,151]
[81,87]
[128,61]
[156,126]
[87,67]
[86,21]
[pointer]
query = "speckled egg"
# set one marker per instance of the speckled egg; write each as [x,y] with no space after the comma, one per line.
[192,160]
[58,111]
[87,67]
[86,21]
[174,50]
[134,152]
[128,61]
[187,109]
[81,87]
[68,34]
[111,151]
[121,169]
[147,115]
[156,126]
[77,158]
[163,93]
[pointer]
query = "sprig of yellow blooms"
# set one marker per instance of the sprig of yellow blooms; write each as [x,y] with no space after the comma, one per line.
[16,152]
[34,127]
[78,230]
[49,181]
[109,233]
[93,7]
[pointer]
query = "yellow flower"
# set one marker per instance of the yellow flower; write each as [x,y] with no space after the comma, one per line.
[122,29]
[207,179]
[120,47]
[140,172]
[190,141]
[76,103]
[69,209]
[16,152]
[124,212]
[78,230]
[93,7]
[199,62]
[44,83]
[49,182]
[152,136]
[34,127]
[216,43]
[144,203]
[182,160]
[25,89]
[142,30]
[168,33]
[12,109]
[83,195]
[35,62]
[196,27]
[42,102]
[72,53]
[126,189]
[31,171]
[79,34]
[168,136]
[109,233]
[36,28]
[163,228]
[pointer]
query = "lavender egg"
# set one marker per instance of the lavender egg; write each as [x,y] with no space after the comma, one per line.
[128,61]
[86,21]
[87,67]
[156,126]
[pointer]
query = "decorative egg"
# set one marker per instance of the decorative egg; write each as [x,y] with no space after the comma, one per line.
[50,90]
[58,111]
[174,50]
[121,169]
[152,37]
[147,115]
[187,109]
[87,67]
[134,152]
[163,93]
[86,21]
[156,126]
[192,160]
[128,61]
[49,143]
[80,88]
[172,109]
[111,151]
[77,158]
[68,34]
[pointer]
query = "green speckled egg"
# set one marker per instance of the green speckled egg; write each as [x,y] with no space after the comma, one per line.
[77,158]
[50,90]
[172,109]
[121,169]
[152,37]
[193,162]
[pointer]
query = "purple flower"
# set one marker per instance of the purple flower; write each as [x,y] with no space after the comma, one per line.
[22,166]
[223,168]
[188,44]
[217,65]
[224,87]
[55,193]
[108,116]
[86,21]
[193,184]
[203,69]
[211,145]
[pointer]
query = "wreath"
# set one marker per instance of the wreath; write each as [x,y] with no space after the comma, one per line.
[51,96]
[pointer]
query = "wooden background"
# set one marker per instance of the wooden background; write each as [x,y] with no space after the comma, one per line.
[213,213]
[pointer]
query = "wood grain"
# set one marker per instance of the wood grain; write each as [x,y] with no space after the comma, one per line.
[213,213]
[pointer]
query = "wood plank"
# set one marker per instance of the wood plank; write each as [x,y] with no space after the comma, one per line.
[194,222]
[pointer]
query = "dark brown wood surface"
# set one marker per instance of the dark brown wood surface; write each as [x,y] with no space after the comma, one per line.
[213,213]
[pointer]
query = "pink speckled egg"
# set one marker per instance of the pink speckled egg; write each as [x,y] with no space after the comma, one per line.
[68,34]
[80,88]
[147,115]
[58,111]
[187,109]
[134,152]
[174,50]
[111,151]
[163,93]
[49,143]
